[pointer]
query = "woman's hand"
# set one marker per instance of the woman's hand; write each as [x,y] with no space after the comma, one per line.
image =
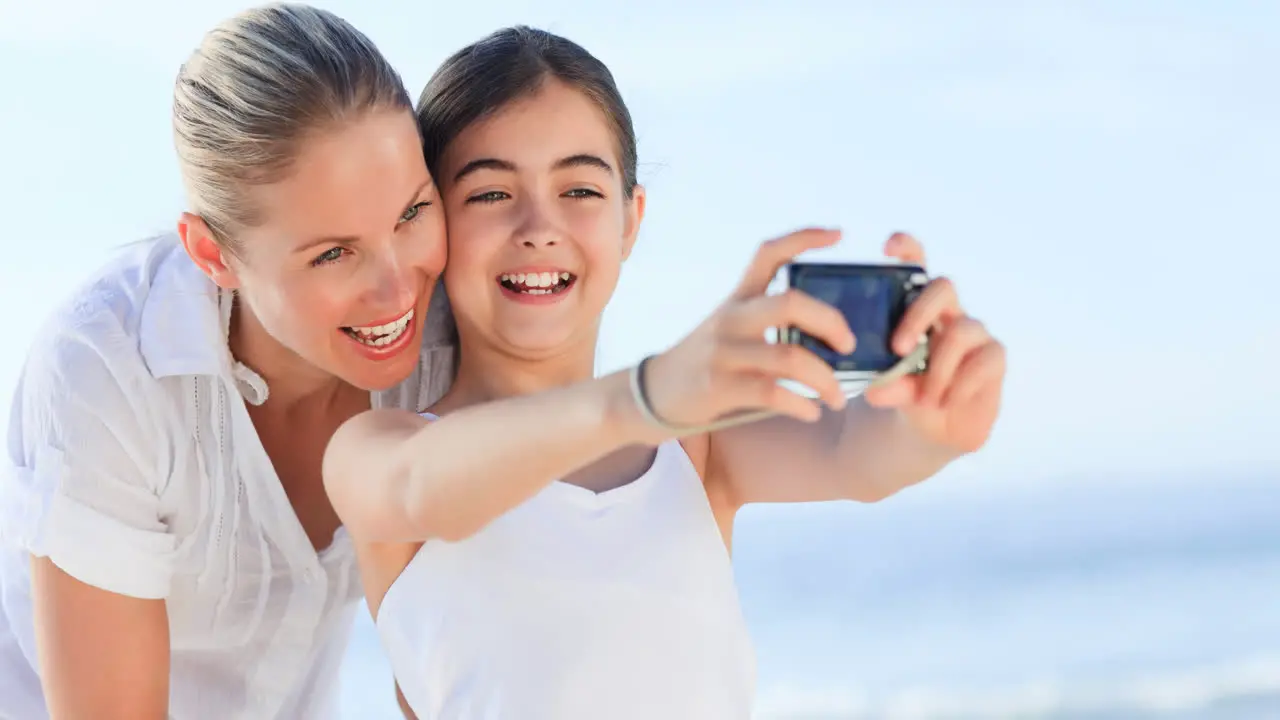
[954,403]
[726,364]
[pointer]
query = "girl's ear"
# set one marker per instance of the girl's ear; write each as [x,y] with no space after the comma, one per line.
[634,210]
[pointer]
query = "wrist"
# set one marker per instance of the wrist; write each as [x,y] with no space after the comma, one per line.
[917,442]
[623,416]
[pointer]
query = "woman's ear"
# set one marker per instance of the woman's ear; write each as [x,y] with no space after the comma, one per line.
[205,251]
[634,210]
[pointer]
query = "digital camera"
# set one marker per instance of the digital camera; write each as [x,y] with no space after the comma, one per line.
[873,299]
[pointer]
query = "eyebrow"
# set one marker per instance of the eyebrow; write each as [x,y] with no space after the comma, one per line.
[578,160]
[351,239]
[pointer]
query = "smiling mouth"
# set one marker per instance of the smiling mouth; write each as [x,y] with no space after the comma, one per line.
[379,335]
[543,283]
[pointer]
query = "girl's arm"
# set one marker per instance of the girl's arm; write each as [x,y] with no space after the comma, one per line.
[394,477]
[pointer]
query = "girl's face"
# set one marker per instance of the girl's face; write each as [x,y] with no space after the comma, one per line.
[538,224]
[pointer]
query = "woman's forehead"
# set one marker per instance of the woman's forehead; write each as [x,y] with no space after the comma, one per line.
[349,181]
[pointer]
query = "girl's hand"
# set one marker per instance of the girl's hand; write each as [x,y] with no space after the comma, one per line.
[726,364]
[954,403]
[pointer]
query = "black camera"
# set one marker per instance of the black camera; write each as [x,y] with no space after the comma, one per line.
[873,299]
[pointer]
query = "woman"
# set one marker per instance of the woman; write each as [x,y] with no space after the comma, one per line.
[170,550]
[544,544]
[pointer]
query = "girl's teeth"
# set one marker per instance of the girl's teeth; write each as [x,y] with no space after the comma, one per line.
[542,283]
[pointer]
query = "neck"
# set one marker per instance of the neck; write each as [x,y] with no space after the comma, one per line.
[293,383]
[486,374]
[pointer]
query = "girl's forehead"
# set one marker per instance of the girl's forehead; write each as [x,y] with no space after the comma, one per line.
[555,122]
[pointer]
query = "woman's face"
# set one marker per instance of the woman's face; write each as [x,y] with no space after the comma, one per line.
[538,223]
[341,269]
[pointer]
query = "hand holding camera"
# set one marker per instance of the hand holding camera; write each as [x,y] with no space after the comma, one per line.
[914,345]
[954,403]
[726,365]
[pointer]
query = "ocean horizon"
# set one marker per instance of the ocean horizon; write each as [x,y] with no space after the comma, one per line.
[1079,600]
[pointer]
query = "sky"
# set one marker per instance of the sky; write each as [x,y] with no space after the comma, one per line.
[1100,179]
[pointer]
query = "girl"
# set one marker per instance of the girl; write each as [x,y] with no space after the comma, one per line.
[545,544]
[170,550]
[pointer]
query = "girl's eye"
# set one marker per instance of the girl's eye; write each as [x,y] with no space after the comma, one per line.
[583,193]
[412,213]
[491,196]
[333,254]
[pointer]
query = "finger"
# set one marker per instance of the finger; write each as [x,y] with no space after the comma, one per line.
[906,248]
[773,254]
[937,304]
[947,349]
[764,392]
[895,394]
[791,362]
[981,370]
[748,320]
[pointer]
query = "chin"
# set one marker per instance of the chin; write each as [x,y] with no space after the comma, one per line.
[534,345]
[375,375]
[377,379]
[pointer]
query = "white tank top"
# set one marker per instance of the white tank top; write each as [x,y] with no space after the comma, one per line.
[577,605]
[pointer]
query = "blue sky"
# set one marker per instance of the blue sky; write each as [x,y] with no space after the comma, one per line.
[1099,178]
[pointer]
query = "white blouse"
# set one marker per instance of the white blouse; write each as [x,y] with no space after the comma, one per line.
[133,465]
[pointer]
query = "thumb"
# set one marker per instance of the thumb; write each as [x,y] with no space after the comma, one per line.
[894,394]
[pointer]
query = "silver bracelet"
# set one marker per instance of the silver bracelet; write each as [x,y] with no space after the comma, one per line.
[640,394]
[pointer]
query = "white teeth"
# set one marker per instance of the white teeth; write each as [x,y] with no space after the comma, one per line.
[539,283]
[379,335]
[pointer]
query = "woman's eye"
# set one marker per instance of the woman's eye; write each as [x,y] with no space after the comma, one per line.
[331,255]
[412,213]
[492,196]
[583,193]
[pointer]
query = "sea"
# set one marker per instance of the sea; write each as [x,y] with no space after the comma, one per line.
[1091,598]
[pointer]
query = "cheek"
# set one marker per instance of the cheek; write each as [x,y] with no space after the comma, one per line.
[600,233]
[475,240]
[297,310]
[428,246]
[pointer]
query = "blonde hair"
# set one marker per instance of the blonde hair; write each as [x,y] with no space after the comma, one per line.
[257,86]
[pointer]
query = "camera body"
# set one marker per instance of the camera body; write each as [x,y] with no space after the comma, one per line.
[873,299]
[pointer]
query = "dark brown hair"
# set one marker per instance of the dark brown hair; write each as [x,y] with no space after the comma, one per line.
[508,65]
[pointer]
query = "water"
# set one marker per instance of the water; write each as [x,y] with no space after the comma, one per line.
[1092,599]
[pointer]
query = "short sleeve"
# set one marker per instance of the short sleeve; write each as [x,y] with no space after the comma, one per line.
[80,483]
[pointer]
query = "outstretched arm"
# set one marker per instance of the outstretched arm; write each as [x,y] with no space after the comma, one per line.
[395,477]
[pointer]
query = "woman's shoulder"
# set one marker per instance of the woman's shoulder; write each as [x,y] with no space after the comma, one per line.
[112,299]
[92,340]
